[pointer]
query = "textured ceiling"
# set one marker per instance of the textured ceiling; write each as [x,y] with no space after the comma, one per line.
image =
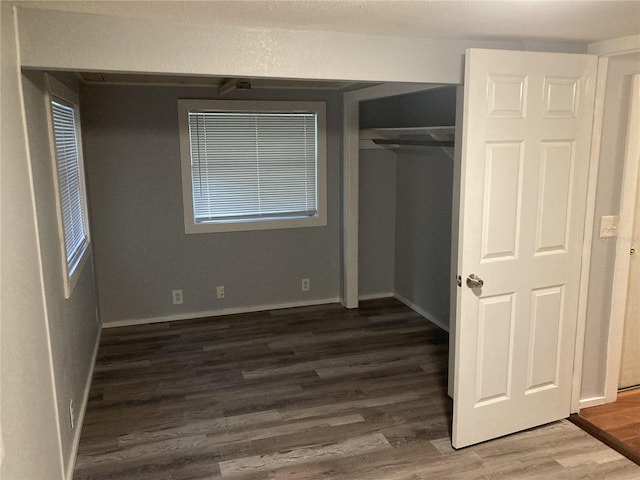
[557,20]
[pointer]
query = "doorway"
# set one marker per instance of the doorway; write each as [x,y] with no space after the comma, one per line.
[630,358]
[622,368]
[351,185]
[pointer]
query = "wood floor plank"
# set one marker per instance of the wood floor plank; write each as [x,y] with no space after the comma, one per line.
[202,427]
[308,454]
[617,423]
[312,393]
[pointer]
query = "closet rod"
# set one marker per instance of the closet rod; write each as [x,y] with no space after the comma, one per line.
[413,143]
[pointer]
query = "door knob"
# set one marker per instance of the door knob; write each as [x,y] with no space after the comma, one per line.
[474,281]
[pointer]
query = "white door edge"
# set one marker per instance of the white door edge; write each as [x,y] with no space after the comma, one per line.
[455,234]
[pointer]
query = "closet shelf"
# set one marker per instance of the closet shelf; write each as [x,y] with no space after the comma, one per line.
[415,137]
[400,142]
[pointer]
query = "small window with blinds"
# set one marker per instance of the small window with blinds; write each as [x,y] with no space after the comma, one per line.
[252,165]
[69,180]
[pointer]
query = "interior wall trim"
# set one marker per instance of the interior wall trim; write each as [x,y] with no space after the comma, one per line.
[615,46]
[79,421]
[217,313]
[593,401]
[588,237]
[432,318]
[375,296]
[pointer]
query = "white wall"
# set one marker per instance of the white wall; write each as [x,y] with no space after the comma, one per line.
[73,326]
[60,40]
[616,110]
[28,416]
[142,252]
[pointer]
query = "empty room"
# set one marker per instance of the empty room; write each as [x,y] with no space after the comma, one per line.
[337,240]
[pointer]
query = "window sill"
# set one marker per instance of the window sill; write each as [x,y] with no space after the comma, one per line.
[251,225]
[71,275]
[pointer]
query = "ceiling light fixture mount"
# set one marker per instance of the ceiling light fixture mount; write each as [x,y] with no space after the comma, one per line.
[234,84]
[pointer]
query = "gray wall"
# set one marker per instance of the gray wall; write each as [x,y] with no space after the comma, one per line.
[423,231]
[73,325]
[376,222]
[616,110]
[28,411]
[141,250]
[435,107]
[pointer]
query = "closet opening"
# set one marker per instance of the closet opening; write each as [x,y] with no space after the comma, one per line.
[405,200]
[407,214]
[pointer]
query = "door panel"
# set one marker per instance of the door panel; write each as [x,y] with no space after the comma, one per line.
[525,152]
[495,349]
[556,172]
[544,338]
[502,188]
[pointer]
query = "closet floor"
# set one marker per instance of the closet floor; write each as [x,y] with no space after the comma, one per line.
[617,424]
[304,393]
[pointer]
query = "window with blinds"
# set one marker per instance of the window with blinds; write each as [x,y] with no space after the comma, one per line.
[68,179]
[70,184]
[253,168]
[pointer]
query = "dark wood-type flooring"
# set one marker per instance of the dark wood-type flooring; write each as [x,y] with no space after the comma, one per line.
[305,393]
[617,424]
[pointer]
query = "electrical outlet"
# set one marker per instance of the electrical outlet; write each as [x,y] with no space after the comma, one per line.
[609,226]
[177,297]
[220,291]
[306,284]
[71,414]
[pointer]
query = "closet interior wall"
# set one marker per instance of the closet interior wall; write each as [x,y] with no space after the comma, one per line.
[405,206]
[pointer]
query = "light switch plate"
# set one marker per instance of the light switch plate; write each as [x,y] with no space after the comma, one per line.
[609,226]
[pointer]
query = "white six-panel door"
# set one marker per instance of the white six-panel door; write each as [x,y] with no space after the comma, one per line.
[525,152]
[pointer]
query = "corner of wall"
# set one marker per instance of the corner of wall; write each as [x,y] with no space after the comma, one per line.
[71,326]
[28,393]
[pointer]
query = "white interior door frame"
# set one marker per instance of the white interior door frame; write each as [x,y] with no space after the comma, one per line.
[592,187]
[623,244]
[351,163]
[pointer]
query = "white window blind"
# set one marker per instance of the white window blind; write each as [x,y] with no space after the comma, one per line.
[253,165]
[70,183]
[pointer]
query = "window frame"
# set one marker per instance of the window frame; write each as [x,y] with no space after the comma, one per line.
[244,106]
[71,271]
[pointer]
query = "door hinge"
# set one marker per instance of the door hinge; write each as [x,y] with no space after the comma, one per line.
[459,280]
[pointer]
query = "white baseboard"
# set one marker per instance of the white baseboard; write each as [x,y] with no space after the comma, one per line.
[217,313]
[422,312]
[375,296]
[83,409]
[592,402]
